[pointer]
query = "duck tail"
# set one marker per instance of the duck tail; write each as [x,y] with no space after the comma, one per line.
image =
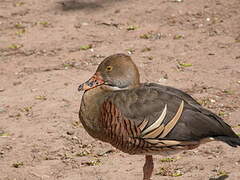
[231,141]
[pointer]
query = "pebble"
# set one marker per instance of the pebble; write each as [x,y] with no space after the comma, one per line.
[70,132]
[2,110]
[2,152]
[85,24]
[212,100]
[162,80]
[1,131]
[17,83]
[2,89]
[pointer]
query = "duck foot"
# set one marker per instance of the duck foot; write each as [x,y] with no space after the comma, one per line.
[148,167]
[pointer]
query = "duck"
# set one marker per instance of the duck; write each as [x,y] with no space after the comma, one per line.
[145,118]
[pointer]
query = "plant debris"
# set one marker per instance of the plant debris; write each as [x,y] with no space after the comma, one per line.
[185,64]
[146,49]
[83,153]
[26,110]
[4,134]
[17,164]
[132,28]
[15,46]
[169,172]
[44,23]
[20,3]
[19,26]
[86,47]
[178,36]
[20,32]
[105,152]
[222,173]
[130,50]
[151,35]
[168,159]
[41,97]
[91,163]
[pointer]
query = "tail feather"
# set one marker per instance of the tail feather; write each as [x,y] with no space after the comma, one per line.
[231,141]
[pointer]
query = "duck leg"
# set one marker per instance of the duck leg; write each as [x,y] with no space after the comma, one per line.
[148,167]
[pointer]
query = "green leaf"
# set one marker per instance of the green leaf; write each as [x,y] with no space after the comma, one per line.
[178,36]
[44,23]
[86,47]
[185,64]
[176,174]
[19,26]
[14,46]
[4,134]
[131,28]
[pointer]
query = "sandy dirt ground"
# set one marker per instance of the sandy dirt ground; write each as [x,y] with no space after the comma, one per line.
[49,47]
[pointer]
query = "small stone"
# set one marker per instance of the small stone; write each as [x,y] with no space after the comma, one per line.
[2,89]
[212,100]
[162,80]
[70,132]
[17,83]
[117,11]
[2,110]
[84,24]
[2,152]
[75,138]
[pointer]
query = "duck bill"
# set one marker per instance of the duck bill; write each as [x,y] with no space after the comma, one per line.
[94,81]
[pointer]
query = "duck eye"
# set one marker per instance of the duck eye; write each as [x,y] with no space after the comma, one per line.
[109,68]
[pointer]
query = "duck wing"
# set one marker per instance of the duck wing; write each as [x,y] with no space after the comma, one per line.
[158,117]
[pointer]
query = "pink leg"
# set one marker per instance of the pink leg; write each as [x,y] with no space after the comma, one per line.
[148,167]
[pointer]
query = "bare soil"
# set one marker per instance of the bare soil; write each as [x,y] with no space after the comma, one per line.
[49,47]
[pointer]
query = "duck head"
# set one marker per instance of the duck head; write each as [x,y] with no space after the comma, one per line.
[116,72]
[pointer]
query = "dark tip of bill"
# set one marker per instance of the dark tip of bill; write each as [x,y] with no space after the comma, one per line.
[80,87]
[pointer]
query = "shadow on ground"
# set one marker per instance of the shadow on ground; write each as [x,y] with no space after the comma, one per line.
[80,5]
[223,177]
